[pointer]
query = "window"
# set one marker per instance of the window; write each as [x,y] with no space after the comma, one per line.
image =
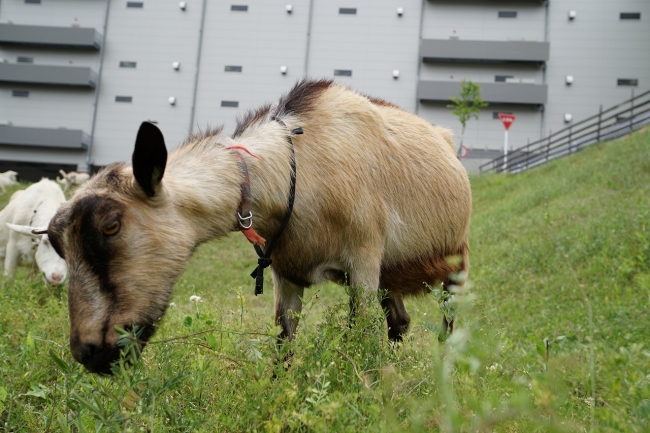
[343,72]
[138,5]
[127,64]
[630,15]
[502,78]
[348,11]
[234,104]
[33,2]
[24,59]
[507,14]
[20,93]
[233,69]
[627,82]
[123,99]
[495,114]
[239,8]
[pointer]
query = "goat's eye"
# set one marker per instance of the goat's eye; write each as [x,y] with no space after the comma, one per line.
[112,228]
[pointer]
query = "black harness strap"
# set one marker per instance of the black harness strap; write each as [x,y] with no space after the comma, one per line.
[31,220]
[264,260]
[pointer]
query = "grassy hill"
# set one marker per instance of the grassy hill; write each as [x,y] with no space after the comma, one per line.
[553,333]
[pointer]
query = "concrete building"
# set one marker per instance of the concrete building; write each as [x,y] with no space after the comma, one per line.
[78,77]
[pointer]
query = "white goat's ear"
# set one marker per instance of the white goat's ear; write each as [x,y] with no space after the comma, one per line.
[149,158]
[32,232]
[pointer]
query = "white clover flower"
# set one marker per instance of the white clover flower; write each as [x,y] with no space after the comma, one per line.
[195,298]
[495,366]
[172,304]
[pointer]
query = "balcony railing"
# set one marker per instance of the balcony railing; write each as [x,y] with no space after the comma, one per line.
[496,93]
[56,138]
[438,50]
[78,76]
[47,36]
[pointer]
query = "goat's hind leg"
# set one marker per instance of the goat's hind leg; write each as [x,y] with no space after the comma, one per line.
[449,314]
[397,317]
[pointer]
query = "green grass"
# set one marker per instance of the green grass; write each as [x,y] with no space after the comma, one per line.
[553,335]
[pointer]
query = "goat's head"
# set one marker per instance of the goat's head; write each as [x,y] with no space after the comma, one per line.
[124,251]
[48,261]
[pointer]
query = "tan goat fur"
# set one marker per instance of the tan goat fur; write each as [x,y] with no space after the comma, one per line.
[380,198]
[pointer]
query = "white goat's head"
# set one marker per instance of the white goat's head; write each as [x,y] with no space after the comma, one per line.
[48,261]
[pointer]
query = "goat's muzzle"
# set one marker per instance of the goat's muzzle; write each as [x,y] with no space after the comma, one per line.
[101,358]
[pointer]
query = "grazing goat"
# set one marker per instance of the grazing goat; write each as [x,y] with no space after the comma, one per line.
[6,179]
[72,178]
[27,210]
[381,202]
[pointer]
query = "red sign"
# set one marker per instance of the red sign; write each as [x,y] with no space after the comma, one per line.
[507,119]
[464,152]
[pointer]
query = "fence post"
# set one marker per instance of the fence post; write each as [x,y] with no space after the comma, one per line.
[548,145]
[632,111]
[570,141]
[600,116]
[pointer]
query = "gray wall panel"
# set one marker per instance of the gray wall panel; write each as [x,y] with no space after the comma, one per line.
[153,37]
[47,107]
[42,155]
[260,40]
[372,43]
[478,20]
[481,73]
[45,56]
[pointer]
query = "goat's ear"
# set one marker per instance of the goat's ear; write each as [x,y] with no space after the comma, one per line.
[149,158]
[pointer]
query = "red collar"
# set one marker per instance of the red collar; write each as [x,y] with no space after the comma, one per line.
[244,214]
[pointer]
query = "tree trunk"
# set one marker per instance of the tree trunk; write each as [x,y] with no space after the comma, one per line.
[460,148]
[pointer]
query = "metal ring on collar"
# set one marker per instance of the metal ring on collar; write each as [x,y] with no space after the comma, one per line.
[242,219]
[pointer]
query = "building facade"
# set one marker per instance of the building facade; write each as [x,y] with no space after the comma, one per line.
[78,77]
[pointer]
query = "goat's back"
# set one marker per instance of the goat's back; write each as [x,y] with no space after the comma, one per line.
[45,196]
[372,169]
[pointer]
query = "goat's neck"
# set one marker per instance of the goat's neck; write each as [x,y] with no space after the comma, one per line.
[203,181]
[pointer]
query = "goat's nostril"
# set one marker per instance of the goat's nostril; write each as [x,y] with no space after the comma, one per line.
[57,277]
[86,353]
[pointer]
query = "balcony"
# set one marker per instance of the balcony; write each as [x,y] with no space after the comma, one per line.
[443,50]
[45,36]
[76,76]
[60,138]
[495,93]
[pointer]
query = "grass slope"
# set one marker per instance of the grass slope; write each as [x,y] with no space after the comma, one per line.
[553,334]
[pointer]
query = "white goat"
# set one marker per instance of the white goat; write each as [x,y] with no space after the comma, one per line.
[72,178]
[7,178]
[27,210]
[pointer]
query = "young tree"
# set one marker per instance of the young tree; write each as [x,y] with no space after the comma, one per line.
[466,106]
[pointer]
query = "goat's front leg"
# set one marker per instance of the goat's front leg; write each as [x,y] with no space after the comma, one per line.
[11,256]
[288,305]
[364,280]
